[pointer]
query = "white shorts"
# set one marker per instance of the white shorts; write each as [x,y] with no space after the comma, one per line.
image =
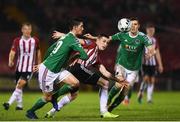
[46,78]
[129,75]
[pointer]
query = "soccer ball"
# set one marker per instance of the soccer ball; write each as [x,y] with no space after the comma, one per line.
[124,25]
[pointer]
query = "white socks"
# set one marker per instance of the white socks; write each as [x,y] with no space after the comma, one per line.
[103,94]
[63,101]
[17,95]
[20,100]
[126,97]
[150,89]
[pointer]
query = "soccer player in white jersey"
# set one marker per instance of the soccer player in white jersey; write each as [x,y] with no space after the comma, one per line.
[28,50]
[150,66]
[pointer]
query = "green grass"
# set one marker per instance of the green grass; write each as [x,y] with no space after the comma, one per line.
[166,106]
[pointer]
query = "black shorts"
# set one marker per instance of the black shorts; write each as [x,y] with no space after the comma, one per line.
[84,76]
[149,70]
[23,75]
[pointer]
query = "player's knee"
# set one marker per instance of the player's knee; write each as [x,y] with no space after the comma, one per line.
[74,89]
[21,84]
[118,85]
[105,84]
[74,96]
[75,83]
[48,97]
[146,78]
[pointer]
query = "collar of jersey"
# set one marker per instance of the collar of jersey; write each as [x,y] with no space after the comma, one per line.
[72,33]
[25,38]
[133,36]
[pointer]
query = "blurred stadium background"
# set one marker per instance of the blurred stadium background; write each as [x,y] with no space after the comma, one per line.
[101,16]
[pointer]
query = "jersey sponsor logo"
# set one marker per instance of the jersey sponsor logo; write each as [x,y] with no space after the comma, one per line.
[131,48]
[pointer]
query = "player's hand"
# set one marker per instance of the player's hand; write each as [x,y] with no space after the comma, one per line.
[73,63]
[148,55]
[125,84]
[57,34]
[36,68]
[11,64]
[160,69]
[89,36]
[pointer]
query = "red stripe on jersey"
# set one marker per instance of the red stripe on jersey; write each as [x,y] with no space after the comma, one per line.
[24,50]
[92,52]
[89,55]
[29,51]
[17,65]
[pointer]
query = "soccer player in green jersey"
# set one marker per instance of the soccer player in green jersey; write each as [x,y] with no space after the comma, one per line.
[129,60]
[53,67]
[84,72]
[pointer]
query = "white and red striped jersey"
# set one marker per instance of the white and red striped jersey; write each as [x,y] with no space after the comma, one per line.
[26,50]
[93,57]
[152,60]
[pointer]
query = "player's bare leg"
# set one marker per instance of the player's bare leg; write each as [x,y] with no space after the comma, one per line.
[142,88]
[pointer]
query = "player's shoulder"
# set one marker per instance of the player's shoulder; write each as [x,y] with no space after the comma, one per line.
[122,33]
[16,39]
[89,43]
[35,38]
[141,34]
[70,37]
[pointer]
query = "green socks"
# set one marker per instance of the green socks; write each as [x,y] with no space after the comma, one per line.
[114,90]
[117,101]
[63,90]
[130,92]
[39,104]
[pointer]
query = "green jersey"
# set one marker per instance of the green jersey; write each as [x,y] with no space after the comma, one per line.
[59,53]
[131,49]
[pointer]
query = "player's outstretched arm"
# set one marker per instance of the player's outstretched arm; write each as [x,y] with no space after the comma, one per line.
[57,34]
[89,36]
[108,75]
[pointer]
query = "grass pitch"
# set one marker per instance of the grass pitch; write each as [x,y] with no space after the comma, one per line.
[166,106]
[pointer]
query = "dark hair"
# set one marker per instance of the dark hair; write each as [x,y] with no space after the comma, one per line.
[74,22]
[102,35]
[26,23]
[134,18]
[150,25]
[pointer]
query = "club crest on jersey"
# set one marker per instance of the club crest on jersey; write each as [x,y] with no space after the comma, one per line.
[137,41]
[88,42]
[77,40]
